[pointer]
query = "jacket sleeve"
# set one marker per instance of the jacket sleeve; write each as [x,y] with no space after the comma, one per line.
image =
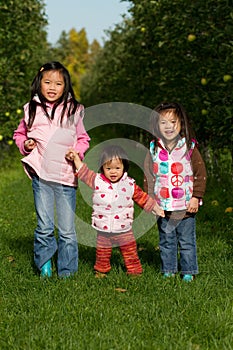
[199,174]
[86,175]
[20,136]
[149,179]
[82,143]
[143,199]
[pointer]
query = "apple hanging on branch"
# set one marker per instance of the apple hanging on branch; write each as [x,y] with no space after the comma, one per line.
[191,37]
[226,78]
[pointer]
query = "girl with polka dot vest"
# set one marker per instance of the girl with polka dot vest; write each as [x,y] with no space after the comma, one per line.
[175,176]
[114,194]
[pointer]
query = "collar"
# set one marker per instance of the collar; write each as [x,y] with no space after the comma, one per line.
[48,104]
[103,177]
[179,144]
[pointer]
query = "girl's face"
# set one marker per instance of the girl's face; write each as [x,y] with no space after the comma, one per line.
[169,126]
[52,85]
[113,169]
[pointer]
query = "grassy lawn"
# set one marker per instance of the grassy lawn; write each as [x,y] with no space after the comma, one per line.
[117,312]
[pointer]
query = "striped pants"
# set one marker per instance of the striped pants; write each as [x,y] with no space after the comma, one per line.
[128,247]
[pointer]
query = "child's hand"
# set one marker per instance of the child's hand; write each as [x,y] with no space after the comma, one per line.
[73,156]
[193,205]
[29,145]
[70,154]
[158,210]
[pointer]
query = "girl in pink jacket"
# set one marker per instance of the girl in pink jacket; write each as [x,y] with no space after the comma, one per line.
[52,123]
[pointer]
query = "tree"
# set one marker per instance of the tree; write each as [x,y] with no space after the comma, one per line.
[22,47]
[189,49]
[75,52]
[177,50]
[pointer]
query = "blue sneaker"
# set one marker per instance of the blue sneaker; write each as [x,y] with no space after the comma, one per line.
[188,278]
[46,270]
[168,275]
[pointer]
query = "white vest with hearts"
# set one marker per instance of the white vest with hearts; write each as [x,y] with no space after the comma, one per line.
[113,206]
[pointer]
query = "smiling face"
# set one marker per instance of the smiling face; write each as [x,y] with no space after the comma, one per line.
[113,169]
[52,85]
[170,127]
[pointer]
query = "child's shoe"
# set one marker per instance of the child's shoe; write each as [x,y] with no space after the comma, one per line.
[65,277]
[100,274]
[134,275]
[46,270]
[188,278]
[168,275]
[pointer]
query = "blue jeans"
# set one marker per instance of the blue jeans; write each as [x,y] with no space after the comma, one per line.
[178,237]
[47,197]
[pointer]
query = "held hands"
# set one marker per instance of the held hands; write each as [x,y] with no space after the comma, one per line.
[29,145]
[73,156]
[193,205]
[157,210]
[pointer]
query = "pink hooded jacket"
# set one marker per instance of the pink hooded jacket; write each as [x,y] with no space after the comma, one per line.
[47,159]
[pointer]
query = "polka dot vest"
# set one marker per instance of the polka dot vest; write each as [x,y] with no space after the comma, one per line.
[113,206]
[173,175]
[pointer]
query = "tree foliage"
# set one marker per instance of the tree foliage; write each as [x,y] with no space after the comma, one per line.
[171,50]
[75,52]
[22,47]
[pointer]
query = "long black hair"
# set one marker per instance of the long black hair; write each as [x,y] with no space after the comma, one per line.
[111,152]
[68,93]
[178,110]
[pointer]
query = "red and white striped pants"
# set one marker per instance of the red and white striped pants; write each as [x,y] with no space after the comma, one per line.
[128,247]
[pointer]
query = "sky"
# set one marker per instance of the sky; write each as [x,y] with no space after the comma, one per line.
[93,15]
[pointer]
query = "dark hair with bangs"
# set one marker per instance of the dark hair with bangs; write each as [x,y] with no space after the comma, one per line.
[111,152]
[179,111]
[68,93]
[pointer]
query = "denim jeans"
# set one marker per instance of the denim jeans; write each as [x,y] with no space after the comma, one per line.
[178,237]
[47,197]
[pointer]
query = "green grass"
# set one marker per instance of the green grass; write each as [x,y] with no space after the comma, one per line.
[87,313]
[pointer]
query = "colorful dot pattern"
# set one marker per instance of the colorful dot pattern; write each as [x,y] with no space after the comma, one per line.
[173,175]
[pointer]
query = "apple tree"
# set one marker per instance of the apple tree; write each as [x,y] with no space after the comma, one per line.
[172,50]
[23,48]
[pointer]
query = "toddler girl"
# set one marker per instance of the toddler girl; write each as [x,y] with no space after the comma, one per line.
[113,207]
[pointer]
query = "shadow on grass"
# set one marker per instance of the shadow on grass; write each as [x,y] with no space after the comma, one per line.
[19,251]
[149,254]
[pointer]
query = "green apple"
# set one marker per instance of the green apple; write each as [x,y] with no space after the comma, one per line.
[204,111]
[1,137]
[191,37]
[203,81]
[226,78]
